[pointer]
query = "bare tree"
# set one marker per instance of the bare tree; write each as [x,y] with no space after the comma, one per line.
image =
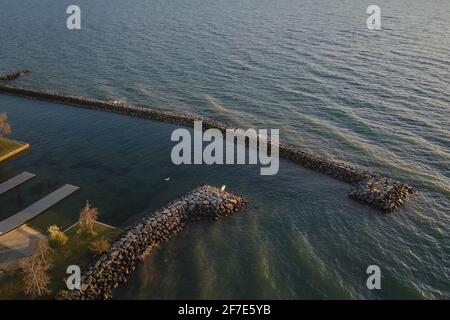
[5,128]
[43,249]
[35,278]
[88,215]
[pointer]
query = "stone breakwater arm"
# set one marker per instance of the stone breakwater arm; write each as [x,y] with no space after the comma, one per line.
[113,268]
[368,187]
[14,75]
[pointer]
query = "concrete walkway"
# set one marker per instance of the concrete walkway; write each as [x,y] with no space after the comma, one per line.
[15,245]
[36,208]
[14,182]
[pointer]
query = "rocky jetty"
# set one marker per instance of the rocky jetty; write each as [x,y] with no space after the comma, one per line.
[383,193]
[113,267]
[368,187]
[372,188]
[14,75]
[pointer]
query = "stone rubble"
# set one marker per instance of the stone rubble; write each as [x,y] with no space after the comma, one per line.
[14,75]
[113,267]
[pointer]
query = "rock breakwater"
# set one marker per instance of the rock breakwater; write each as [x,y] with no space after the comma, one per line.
[368,187]
[113,267]
[14,75]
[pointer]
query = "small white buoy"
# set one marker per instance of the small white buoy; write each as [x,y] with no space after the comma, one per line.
[167,179]
[223,188]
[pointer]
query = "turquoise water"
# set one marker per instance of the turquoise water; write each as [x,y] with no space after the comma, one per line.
[310,68]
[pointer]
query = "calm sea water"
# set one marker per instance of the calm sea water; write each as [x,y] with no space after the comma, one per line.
[311,68]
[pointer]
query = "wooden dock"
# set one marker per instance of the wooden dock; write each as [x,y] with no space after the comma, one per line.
[16,181]
[36,208]
[11,152]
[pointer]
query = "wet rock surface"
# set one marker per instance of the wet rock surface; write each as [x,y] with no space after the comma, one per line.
[371,188]
[383,193]
[113,267]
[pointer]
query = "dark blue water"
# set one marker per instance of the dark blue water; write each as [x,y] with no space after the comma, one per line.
[311,68]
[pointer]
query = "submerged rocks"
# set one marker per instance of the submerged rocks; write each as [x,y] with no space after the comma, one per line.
[112,268]
[392,195]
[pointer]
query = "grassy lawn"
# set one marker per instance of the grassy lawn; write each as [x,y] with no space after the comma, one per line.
[75,252]
[11,286]
[7,145]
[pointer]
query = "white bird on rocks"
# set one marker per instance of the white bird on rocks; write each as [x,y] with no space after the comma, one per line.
[223,188]
[167,179]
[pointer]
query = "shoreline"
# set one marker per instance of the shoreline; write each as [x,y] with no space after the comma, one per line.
[368,187]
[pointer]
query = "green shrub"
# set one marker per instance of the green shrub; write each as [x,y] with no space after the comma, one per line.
[99,246]
[56,237]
